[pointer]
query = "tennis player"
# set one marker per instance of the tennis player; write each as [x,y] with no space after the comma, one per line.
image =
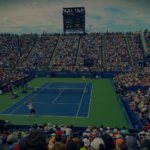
[32,111]
[83,78]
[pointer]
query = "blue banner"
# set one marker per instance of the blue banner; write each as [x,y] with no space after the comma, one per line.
[132,113]
[125,113]
[69,74]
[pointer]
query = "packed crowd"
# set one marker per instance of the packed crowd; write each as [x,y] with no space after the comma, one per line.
[67,52]
[7,59]
[147,39]
[133,78]
[64,138]
[64,68]
[21,47]
[140,103]
[26,46]
[13,43]
[116,51]
[134,33]
[136,47]
[79,68]
[8,77]
[93,68]
[91,49]
[117,57]
[43,52]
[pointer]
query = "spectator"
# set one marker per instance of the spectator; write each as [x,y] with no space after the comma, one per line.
[108,141]
[10,144]
[86,143]
[82,145]
[68,130]
[131,143]
[58,138]
[59,146]
[71,145]
[89,128]
[36,140]
[148,126]
[2,126]
[93,75]
[4,137]
[123,130]
[35,126]
[138,125]
[63,141]
[123,146]
[62,128]
[146,144]
[76,140]
[118,142]
[51,142]
[98,144]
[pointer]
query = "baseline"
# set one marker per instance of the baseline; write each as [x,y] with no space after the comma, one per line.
[42,115]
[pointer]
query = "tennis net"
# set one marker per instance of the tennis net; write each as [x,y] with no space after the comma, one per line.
[60,90]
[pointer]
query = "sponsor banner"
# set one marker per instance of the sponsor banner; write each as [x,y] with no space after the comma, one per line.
[70,74]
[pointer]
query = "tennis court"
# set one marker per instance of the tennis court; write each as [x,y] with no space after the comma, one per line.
[56,99]
[103,105]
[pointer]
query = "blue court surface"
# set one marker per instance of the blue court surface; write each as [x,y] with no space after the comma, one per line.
[69,104]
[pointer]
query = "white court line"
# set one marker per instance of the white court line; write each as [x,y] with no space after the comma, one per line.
[43,116]
[66,86]
[68,103]
[29,99]
[81,100]
[19,100]
[56,103]
[90,101]
[71,82]
[58,96]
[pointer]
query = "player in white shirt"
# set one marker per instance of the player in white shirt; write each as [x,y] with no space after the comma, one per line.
[32,111]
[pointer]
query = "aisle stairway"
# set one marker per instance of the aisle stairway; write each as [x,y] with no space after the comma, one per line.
[55,51]
[31,52]
[144,44]
[79,51]
[129,50]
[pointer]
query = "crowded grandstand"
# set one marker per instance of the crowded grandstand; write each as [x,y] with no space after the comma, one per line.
[121,57]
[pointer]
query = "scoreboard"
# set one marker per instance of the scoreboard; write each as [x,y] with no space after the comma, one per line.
[77,23]
[73,21]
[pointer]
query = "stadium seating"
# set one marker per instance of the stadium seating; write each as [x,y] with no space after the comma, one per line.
[132,87]
[67,52]
[147,39]
[91,49]
[7,58]
[21,47]
[43,52]
[116,52]
[136,47]
[91,136]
